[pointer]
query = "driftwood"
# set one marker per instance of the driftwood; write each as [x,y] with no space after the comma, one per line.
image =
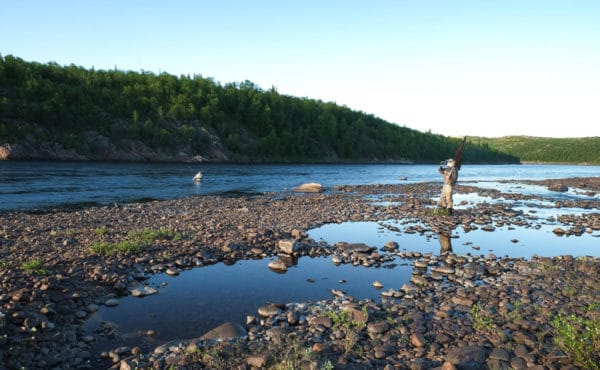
[458,154]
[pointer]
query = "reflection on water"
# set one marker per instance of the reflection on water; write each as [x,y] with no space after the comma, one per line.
[514,241]
[202,298]
[445,243]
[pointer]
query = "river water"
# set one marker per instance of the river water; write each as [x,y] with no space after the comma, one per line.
[40,185]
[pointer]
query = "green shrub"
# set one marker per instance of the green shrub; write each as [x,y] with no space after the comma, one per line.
[579,337]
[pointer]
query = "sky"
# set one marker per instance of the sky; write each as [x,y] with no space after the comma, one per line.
[450,67]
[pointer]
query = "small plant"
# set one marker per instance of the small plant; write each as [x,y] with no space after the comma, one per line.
[34,266]
[438,211]
[579,337]
[100,231]
[136,241]
[149,235]
[327,365]
[481,321]
[125,247]
[292,355]
[351,328]
[211,356]
[515,314]
[546,266]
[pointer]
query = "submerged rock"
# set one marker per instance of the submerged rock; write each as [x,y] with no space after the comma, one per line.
[140,290]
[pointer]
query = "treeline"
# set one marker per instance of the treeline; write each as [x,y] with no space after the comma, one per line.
[58,104]
[585,150]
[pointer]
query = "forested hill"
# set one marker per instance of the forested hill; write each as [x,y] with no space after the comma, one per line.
[48,111]
[585,150]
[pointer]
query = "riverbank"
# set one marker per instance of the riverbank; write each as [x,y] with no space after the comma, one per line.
[59,267]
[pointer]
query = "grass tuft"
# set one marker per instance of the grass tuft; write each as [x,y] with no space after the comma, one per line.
[136,241]
[34,266]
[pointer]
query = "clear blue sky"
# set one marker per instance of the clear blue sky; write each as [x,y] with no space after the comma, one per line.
[481,67]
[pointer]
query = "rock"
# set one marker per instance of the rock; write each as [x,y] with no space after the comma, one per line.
[92,307]
[226,331]
[378,327]
[172,271]
[445,270]
[391,246]
[418,340]
[287,246]
[377,284]
[269,310]
[140,290]
[422,264]
[557,186]
[419,280]
[321,347]
[311,187]
[337,292]
[462,301]
[230,247]
[322,321]
[499,354]
[351,248]
[258,360]
[448,366]
[292,318]
[111,302]
[125,365]
[468,357]
[356,315]
[278,265]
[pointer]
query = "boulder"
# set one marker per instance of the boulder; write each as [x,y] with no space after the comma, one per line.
[468,357]
[140,290]
[278,265]
[311,187]
[228,330]
[287,246]
[558,187]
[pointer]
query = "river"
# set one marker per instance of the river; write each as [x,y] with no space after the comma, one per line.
[27,185]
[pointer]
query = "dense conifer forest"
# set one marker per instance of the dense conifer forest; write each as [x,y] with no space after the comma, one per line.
[70,106]
[584,150]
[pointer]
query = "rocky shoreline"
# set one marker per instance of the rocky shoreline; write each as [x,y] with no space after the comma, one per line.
[58,267]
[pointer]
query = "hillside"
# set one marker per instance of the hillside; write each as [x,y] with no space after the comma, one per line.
[48,111]
[585,150]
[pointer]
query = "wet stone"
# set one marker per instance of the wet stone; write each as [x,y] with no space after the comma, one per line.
[111,302]
[269,310]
